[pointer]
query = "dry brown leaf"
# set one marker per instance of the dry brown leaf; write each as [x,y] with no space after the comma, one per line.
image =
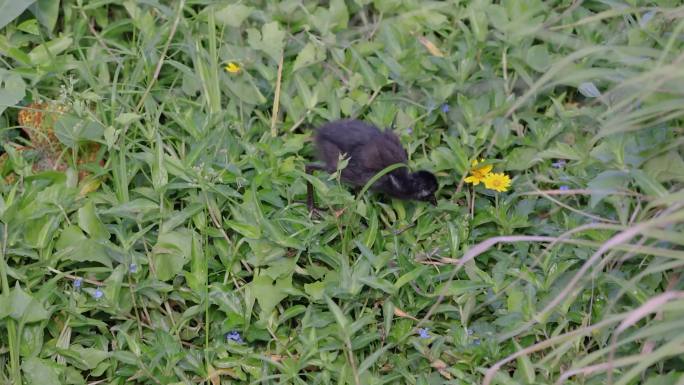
[430,46]
[400,313]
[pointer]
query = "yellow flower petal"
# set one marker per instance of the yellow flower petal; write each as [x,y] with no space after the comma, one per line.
[477,174]
[497,182]
[232,67]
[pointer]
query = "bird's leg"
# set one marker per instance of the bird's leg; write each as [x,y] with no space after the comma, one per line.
[310,204]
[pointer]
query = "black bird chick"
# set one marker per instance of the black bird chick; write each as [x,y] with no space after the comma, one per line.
[370,151]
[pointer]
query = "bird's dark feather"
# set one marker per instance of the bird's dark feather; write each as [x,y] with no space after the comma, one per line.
[370,151]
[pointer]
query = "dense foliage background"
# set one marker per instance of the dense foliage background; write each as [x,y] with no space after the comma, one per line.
[153,226]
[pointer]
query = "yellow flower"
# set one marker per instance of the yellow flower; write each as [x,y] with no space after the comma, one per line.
[232,67]
[497,181]
[477,175]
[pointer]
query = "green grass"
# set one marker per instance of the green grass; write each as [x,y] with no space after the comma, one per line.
[134,260]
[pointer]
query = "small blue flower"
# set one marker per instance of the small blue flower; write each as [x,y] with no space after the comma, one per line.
[133,268]
[234,336]
[558,164]
[589,90]
[476,341]
[470,332]
[445,108]
[98,293]
[409,130]
[646,18]
[564,188]
[423,333]
[78,282]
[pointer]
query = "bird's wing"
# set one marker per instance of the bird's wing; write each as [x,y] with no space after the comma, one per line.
[384,150]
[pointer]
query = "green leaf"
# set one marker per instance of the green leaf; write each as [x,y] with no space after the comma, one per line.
[5,306]
[11,9]
[112,285]
[46,11]
[89,356]
[40,231]
[459,287]
[71,130]
[247,230]
[89,222]
[127,118]
[538,58]
[525,368]
[605,184]
[43,53]
[40,372]
[245,90]
[310,54]
[233,15]
[12,89]
[369,76]
[342,320]
[271,40]
[665,168]
[521,158]
[73,245]
[26,308]
[409,277]
[268,294]
[197,277]
[648,184]
[160,177]
[30,26]
[171,253]
[315,290]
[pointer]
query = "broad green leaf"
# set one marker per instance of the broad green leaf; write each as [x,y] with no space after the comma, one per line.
[39,232]
[269,293]
[91,357]
[606,183]
[665,168]
[127,118]
[197,277]
[525,369]
[521,158]
[5,306]
[247,230]
[11,9]
[12,88]
[112,285]
[25,308]
[538,58]
[458,287]
[89,222]
[41,372]
[42,54]
[648,184]
[309,55]
[233,15]
[270,40]
[316,290]
[244,89]
[73,245]
[171,253]
[46,11]
[409,276]
[72,130]
[30,26]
